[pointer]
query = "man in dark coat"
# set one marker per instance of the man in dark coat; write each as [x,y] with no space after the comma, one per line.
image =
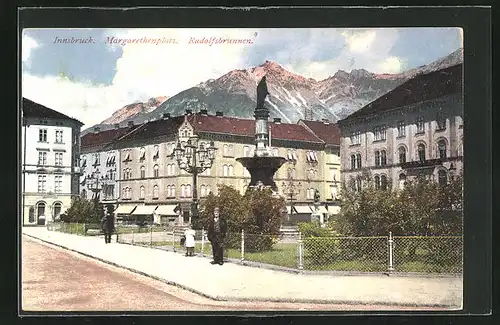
[108,226]
[216,233]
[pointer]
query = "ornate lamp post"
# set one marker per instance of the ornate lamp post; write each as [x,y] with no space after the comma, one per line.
[95,183]
[291,190]
[194,158]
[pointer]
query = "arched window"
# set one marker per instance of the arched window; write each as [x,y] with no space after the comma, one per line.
[183,191]
[383,182]
[57,210]
[156,171]
[142,193]
[124,192]
[383,158]
[358,160]
[358,184]
[226,150]
[142,154]
[125,174]
[402,180]
[289,173]
[402,155]
[377,158]
[130,173]
[230,170]
[293,173]
[353,162]
[84,194]
[143,172]
[155,192]
[188,190]
[442,177]
[421,152]
[224,170]
[442,149]
[172,191]
[377,181]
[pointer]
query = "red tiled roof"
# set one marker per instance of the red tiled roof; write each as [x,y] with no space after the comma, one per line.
[421,88]
[103,137]
[328,132]
[246,127]
[156,128]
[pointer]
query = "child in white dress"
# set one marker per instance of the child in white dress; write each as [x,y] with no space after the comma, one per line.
[189,243]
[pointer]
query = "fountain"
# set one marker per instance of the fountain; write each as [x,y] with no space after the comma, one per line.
[263,165]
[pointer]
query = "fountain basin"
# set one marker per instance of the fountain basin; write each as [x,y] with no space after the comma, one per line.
[262,169]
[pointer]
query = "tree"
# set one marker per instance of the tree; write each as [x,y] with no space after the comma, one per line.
[84,211]
[258,213]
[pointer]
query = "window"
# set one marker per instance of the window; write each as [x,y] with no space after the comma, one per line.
[142,193]
[310,193]
[275,152]
[246,151]
[42,158]
[401,129]
[127,156]
[358,184]
[383,182]
[402,180]
[333,192]
[441,121]
[353,161]
[383,158]
[42,135]
[156,170]
[143,172]
[230,170]
[59,159]
[377,158]
[59,136]
[377,182]
[380,133]
[421,152]
[156,154]
[358,160]
[442,149]
[58,183]
[142,154]
[420,124]
[188,190]
[293,173]
[202,191]
[97,160]
[355,137]
[224,170]
[155,192]
[42,183]
[183,191]
[231,150]
[402,155]
[226,150]
[442,177]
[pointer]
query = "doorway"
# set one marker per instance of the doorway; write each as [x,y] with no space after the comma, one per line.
[40,213]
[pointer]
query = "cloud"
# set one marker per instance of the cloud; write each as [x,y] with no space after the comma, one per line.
[28,45]
[360,42]
[391,65]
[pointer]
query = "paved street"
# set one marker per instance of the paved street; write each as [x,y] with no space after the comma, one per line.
[55,279]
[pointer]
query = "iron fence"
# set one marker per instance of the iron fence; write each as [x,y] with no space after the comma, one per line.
[387,254]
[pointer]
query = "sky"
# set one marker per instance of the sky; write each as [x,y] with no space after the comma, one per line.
[102,70]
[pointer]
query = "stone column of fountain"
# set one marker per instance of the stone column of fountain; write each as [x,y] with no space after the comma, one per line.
[262,166]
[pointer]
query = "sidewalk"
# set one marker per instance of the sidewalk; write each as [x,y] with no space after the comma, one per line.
[233,282]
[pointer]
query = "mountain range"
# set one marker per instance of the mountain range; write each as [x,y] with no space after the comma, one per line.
[292,97]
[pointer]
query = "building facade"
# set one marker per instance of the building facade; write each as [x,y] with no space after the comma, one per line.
[99,159]
[416,130]
[50,154]
[151,182]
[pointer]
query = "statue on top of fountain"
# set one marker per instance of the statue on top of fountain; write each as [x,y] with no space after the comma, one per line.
[262,92]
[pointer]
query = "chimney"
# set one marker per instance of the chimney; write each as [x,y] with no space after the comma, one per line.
[277,120]
[97,129]
[166,116]
[189,112]
[130,123]
[219,113]
[117,125]
[203,112]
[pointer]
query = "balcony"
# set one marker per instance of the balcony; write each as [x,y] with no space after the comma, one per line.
[422,164]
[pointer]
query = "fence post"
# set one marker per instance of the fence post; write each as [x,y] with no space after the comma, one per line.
[391,251]
[173,239]
[242,245]
[300,251]
[202,241]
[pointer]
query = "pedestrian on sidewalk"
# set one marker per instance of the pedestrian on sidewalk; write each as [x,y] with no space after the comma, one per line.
[189,242]
[216,233]
[108,226]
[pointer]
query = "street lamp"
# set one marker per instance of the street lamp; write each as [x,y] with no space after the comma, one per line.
[194,158]
[291,190]
[95,183]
